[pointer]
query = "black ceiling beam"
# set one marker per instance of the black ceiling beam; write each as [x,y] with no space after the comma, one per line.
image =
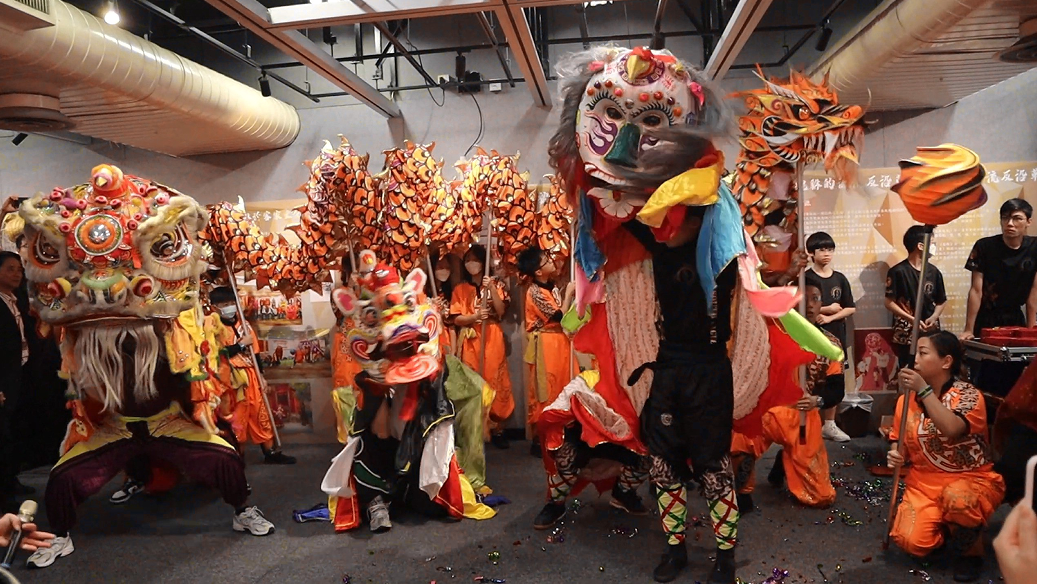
[387,49]
[584,28]
[658,40]
[492,37]
[552,42]
[799,44]
[207,38]
[381,26]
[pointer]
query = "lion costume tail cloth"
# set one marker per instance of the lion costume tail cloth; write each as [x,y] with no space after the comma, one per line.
[632,121]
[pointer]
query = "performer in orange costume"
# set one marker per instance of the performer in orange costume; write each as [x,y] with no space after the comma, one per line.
[243,387]
[445,279]
[803,461]
[549,360]
[952,488]
[469,312]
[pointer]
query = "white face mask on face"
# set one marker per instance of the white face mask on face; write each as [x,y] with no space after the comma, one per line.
[228,312]
[442,275]
[474,268]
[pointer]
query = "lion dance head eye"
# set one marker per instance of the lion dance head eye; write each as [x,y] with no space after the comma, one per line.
[44,253]
[168,246]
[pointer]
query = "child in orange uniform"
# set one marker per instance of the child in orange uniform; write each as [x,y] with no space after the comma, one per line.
[244,387]
[952,489]
[469,309]
[549,360]
[803,461]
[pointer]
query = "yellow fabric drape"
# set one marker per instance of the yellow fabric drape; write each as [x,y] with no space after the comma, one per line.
[693,188]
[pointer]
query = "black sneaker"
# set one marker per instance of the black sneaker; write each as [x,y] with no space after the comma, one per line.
[549,515]
[967,568]
[777,475]
[671,564]
[745,503]
[500,441]
[628,501]
[128,490]
[724,568]
[534,448]
[277,457]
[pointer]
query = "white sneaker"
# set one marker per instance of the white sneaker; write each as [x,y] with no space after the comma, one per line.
[43,557]
[378,512]
[252,521]
[126,492]
[829,431]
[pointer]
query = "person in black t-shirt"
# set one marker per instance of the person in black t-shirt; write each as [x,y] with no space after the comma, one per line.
[902,290]
[836,305]
[1003,270]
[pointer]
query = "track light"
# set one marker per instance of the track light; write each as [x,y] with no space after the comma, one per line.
[19,138]
[328,37]
[111,12]
[826,35]
[264,85]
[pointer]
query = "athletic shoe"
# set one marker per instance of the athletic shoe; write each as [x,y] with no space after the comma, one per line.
[43,557]
[378,513]
[277,457]
[549,515]
[829,431]
[628,501]
[126,492]
[252,521]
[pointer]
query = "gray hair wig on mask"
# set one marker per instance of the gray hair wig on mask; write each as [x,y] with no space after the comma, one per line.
[679,146]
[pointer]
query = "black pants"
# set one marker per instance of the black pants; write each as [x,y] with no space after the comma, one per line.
[688,415]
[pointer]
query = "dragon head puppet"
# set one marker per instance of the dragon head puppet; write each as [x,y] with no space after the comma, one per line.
[789,122]
[106,259]
[396,330]
[634,119]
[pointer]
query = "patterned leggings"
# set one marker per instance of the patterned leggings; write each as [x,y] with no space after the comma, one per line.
[717,487]
[560,485]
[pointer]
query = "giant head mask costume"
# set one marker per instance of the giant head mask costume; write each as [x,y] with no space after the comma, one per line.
[620,105]
[107,258]
[396,333]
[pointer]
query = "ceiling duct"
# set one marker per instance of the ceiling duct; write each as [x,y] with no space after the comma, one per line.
[110,84]
[1025,49]
[918,54]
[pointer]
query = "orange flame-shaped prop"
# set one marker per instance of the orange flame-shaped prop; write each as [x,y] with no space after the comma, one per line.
[941,183]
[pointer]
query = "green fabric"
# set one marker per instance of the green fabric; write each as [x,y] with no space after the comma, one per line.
[571,320]
[464,389]
[809,337]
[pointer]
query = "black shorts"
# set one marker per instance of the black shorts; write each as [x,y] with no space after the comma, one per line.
[688,415]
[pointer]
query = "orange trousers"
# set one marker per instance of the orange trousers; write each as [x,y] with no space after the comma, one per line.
[935,504]
[549,369]
[251,419]
[495,372]
[806,464]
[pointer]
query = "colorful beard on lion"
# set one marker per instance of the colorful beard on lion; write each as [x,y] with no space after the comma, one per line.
[396,333]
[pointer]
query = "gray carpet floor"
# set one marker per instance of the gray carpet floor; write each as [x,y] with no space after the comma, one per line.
[185,537]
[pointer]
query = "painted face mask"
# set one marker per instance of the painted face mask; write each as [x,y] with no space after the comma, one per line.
[631,93]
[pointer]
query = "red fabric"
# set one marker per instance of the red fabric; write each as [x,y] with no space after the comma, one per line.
[410,403]
[450,496]
[164,476]
[347,511]
[671,223]
[782,388]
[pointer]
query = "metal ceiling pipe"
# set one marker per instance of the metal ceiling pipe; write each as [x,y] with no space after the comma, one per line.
[81,51]
[896,28]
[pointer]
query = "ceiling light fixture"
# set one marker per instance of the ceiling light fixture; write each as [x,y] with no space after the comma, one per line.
[111,12]
[264,85]
[826,35]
